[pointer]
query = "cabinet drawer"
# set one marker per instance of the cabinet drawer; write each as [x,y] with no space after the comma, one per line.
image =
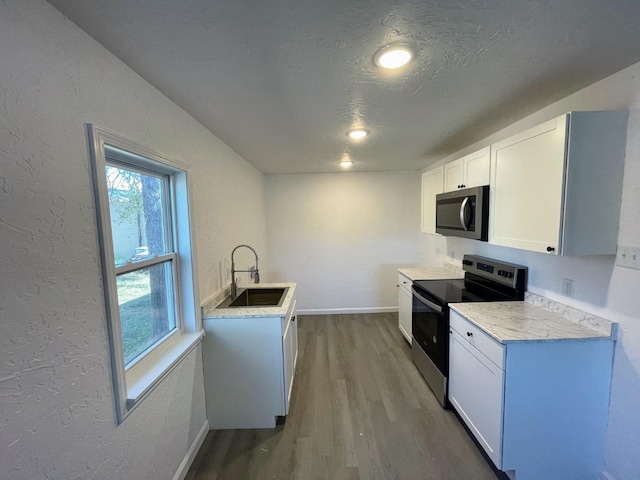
[475,336]
[404,282]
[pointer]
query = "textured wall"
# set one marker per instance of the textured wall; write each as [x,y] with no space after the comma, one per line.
[600,286]
[57,418]
[343,236]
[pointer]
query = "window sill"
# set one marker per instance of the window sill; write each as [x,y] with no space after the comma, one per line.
[143,377]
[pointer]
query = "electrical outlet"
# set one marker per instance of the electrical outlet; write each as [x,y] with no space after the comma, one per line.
[567,287]
[635,257]
[628,257]
[622,256]
[453,254]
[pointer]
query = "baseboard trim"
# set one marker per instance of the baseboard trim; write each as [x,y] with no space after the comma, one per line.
[342,311]
[183,469]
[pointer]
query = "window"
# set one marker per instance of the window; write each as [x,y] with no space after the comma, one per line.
[145,239]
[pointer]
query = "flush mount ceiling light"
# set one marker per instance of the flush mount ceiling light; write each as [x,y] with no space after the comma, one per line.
[393,56]
[357,133]
[346,161]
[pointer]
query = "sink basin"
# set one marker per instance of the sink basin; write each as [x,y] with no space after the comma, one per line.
[257,297]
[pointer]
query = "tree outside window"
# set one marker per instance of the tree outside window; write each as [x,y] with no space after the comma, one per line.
[144,258]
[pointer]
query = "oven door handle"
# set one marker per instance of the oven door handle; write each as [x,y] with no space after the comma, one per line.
[428,303]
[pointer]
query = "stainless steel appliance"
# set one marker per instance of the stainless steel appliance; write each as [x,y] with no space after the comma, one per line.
[464,213]
[485,280]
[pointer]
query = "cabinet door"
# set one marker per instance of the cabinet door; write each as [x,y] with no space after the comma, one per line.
[453,175]
[477,166]
[404,312]
[527,173]
[294,342]
[287,347]
[476,392]
[432,181]
[289,354]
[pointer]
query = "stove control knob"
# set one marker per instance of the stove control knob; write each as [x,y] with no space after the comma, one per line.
[467,262]
[508,274]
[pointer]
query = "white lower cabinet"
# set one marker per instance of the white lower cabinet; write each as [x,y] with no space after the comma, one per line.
[475,391]
[290,349]
[538,408]
[405,306]
[249,367]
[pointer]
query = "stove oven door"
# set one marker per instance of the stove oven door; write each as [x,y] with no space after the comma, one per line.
[430,346]
[430,329]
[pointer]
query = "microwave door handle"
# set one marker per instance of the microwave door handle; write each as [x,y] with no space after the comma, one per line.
[429,303]
[463,216]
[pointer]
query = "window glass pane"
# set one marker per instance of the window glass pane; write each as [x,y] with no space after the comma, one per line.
[138,214]
[147,312]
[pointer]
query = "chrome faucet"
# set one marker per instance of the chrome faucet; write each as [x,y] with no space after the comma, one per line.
[256,274]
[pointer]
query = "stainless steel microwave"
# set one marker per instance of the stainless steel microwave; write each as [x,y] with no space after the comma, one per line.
[464,213]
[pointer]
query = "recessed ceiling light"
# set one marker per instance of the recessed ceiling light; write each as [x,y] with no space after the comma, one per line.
[346,161]
[393,56]
[357,133]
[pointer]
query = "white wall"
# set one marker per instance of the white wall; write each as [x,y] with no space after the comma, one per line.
[601,287]
[342,236]
[57,417]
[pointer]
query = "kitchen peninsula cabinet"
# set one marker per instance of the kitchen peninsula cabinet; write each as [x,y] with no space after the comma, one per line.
[556,188]
[536,402]
[249,358]
[432,184]
[469,171]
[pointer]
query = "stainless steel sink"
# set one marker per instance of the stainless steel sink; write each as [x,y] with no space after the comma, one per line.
[257,297]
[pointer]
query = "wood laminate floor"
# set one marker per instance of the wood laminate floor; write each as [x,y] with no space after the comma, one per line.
[359,410]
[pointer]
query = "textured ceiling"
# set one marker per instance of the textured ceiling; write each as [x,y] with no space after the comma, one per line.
[281,81]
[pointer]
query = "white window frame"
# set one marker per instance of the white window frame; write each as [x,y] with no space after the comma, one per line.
[135,381]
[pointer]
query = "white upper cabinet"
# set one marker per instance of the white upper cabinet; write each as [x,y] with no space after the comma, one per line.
[431,186]
[472,170]
[557,187]
[453,175]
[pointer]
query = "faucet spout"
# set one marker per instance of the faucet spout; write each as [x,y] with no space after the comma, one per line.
[256,273]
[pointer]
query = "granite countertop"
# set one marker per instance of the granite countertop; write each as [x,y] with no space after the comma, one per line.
[209,308]
[522,321]
[432,273]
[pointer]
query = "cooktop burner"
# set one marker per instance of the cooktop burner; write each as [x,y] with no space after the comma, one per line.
[459,290]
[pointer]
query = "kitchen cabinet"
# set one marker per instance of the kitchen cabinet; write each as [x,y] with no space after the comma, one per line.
[556,188]
[290,354]
[405,305]
[249,367]
[538,408]
[469,171]
[432,184]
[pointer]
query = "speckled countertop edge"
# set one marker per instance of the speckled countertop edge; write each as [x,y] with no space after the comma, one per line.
[522,321]
[209,308]
[447,271]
